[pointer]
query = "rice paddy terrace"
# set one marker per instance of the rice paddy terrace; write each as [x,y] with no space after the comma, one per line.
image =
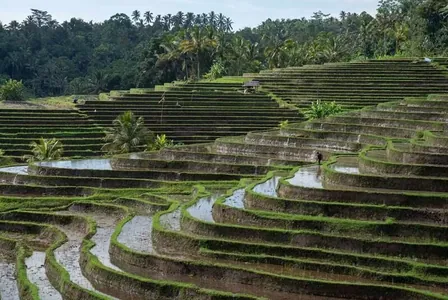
[245,217]
[195,113]
[354,85]
[21,126]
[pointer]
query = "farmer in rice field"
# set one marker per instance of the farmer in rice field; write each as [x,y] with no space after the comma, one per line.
[320,157]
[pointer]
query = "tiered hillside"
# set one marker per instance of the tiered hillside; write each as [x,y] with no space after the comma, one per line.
[20,127]
[195,113]
[246,217]
[369,224]
[355,85]
[442,61]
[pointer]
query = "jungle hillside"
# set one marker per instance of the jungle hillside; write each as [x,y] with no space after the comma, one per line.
[143,48]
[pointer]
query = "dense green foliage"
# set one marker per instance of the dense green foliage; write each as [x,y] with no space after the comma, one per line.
[12,90]
[161,141]
[143,50]
[128,134]
[321,109]
[45,149]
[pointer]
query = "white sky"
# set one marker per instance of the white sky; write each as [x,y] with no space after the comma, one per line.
[243,12]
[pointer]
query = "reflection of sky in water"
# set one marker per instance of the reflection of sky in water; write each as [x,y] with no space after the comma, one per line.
[343,169]
[171,221]
[90,164]
[22,170]
[268,188]
[202,209]
[237,199]
[137,234]
[310,177]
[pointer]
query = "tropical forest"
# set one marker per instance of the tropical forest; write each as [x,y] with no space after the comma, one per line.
[142,49]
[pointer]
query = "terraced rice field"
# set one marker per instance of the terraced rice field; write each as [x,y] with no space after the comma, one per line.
[355,85]
[196,113]
[19,127]
[246,217]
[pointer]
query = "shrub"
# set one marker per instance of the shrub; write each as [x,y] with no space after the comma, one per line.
[160,142]
[283,124]
[12,90]
[45,149]
[320,109]
[128,134]
[216,71]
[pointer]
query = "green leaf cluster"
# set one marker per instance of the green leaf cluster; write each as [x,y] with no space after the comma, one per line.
[321,109]
[12,90]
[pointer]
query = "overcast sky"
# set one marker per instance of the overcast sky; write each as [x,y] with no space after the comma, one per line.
[243,12]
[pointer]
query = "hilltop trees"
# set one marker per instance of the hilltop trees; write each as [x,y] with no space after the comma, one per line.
[146,48]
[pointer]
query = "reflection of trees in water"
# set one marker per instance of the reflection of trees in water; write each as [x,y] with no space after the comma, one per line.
[318,173]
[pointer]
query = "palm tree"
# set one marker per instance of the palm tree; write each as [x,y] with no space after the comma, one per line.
[179,19]
[189,20]
[198,20]
[167,19]
[45,149]
[173,55]
[99,81]
[400,33]
[204,19]
[221,22]
[238,48]
[228,25]
[198,43]
[212,19]
[148,16]
[365,36]
[135,16]
[157,21]
[128,134]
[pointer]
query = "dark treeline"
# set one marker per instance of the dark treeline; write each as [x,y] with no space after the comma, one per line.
[145,49]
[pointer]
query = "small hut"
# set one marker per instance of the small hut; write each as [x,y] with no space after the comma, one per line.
[251,86]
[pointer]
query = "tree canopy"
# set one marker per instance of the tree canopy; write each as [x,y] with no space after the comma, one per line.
[145,48]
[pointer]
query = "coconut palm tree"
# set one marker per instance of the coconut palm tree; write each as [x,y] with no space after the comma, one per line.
[45,149]
[221,22]
[228,25]
[99,81]
[400,33]
[127,135]
[157,22]
[197,45]
[148,16]
[212,19]
[135,16]
[167,20]
[189,20]
[198,20]
[204,18]
[179,19]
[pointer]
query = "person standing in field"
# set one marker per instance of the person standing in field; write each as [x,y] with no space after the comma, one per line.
[320,157]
